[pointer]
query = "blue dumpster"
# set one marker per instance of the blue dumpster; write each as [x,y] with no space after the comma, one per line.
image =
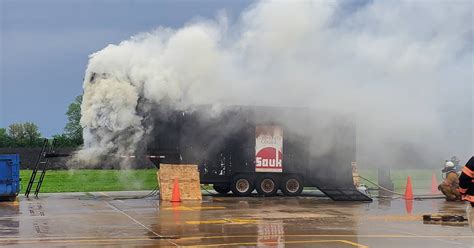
[9,176]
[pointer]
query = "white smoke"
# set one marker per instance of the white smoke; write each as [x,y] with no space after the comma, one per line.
[389,62]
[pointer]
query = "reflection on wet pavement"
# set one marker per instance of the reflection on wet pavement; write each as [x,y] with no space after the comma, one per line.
[111,219]
[9,224]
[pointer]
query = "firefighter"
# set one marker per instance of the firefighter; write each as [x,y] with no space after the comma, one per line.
[449,187]
[466,188]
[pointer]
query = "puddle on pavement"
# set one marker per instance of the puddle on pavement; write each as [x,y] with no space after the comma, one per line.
[9,223]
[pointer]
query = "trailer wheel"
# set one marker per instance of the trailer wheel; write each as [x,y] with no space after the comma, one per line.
[242,185]
[291,186]
[267,185]
[221,189]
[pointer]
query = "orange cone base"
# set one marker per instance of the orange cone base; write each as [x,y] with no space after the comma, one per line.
[409,206]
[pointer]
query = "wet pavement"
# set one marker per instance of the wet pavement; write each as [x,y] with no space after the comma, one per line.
[115,219]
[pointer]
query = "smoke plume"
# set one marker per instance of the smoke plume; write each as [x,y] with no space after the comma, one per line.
[404,69]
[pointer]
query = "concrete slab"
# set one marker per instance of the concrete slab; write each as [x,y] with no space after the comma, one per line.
[114,219]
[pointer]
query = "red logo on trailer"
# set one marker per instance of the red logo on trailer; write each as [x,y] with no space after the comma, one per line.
[269,149]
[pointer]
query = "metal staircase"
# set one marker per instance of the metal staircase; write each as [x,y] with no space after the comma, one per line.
[344,193]
[41,164]
[39,160]
[45,167]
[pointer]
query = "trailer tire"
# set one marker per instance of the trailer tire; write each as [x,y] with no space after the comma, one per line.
[267,185]
[242,185]
[221,189]
[291,185]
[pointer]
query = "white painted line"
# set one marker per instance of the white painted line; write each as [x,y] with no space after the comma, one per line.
[434,238]
[134,220]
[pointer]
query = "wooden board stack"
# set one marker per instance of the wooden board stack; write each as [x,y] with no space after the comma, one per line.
[188,178]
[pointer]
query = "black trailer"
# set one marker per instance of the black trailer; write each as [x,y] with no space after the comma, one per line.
[242,148]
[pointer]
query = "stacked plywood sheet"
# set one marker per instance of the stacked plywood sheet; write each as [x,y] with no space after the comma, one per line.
[188,178]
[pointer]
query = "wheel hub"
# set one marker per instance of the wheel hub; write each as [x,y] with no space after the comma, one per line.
[292,185]
[242,185]
[267,185]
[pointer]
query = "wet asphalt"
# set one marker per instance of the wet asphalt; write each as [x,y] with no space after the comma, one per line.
[123,219]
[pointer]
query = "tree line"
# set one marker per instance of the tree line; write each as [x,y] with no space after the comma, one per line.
[27,134]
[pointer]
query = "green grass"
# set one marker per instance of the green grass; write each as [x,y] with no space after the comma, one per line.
[421,178]
[116,180]
[93,180]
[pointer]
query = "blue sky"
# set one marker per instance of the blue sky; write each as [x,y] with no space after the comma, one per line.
[45,47]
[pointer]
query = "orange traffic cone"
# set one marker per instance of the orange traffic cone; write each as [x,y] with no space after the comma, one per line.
[434,184]
[175,195]
[408,190]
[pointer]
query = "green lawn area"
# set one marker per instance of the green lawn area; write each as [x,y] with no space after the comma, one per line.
[421,178]
[115,180]
[93,180]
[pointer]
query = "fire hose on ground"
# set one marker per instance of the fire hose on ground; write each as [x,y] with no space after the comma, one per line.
[415,197]
[154,192]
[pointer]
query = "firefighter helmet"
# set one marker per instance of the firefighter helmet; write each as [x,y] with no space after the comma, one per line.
[449,166]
